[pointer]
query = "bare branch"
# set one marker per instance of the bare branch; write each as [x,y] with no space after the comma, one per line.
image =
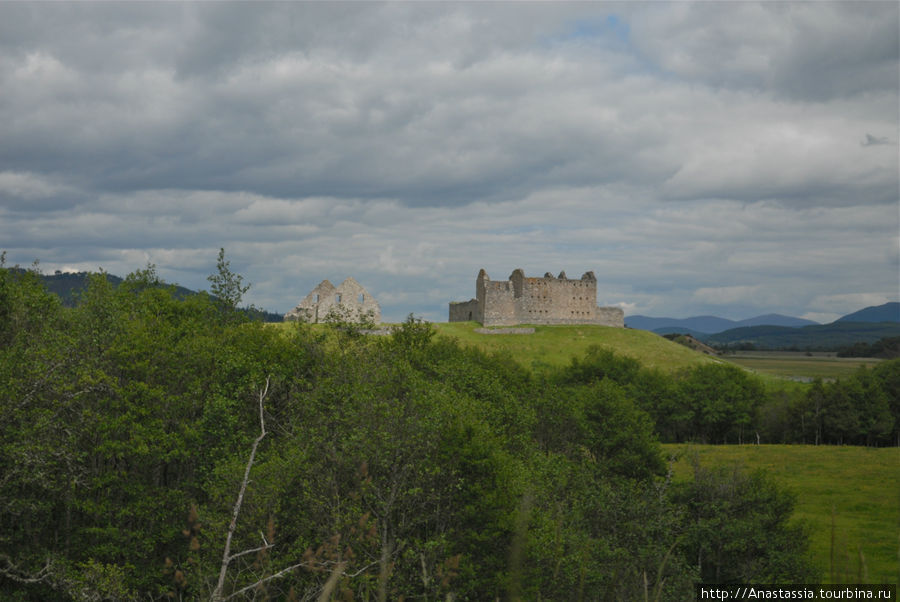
[14,573]
[336,573]
[251,551]
[226,555]
[277,575]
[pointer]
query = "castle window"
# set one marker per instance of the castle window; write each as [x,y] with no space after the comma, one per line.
[317,298]
[337,298]
[362,297]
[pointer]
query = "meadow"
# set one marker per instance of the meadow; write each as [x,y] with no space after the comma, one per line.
[799,365]
[848,496]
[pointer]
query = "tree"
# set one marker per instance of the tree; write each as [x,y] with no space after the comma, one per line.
[888,376]
[739,529]
[226,286]
[724,400]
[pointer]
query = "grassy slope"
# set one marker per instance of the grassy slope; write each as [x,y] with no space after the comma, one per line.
[556,345]
[861,484]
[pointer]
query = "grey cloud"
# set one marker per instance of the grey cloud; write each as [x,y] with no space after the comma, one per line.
[276,100]
[874,140]
[799,51]
[669,147]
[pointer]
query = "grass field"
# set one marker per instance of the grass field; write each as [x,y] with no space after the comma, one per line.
[799,365]
[556,345]
[856,487]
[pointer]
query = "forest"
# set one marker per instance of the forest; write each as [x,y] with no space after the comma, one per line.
[156,446]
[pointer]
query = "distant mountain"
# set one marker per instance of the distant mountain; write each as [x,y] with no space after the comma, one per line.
[668,330]
[704,325]
[68,286]
[818,337]
[776,320]
[775,331]
[889,312]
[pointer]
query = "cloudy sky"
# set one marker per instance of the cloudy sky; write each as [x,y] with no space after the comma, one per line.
[713,158]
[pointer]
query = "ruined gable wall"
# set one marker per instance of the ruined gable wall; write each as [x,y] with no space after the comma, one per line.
[315,305]
[357,302]
[350,300]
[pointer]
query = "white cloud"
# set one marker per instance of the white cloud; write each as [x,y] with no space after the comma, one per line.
[728,295]
[27,186]
[846,303]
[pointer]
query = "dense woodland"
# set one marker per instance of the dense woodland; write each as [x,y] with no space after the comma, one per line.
[159,446]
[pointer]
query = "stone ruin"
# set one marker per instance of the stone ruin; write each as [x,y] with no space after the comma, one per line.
[348,302]
[547,300]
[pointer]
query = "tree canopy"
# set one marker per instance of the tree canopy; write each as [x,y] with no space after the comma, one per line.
[381,467]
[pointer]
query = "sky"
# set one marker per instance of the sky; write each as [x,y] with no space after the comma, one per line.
[720,158]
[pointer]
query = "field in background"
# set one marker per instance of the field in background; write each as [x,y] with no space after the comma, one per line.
[798,365]
[557,345]
[856,487]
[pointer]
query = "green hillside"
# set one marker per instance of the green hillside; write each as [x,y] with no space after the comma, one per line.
[556,345]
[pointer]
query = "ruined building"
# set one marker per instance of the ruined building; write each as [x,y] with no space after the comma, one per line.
[547,300]
[349,302]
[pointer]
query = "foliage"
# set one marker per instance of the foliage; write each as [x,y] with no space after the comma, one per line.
[227,286]
[843,494]
[405,465]
[888,348]
[739,531]
[860,410]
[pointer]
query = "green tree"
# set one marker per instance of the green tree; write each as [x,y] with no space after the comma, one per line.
[739,529]
[888,376]
[724,400]
[227,286]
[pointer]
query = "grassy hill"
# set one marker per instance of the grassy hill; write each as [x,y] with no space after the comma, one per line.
[855,489]
[556,345]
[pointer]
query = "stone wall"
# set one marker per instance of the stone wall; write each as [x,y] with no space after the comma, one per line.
[465,311]
[547,300]
[349,301]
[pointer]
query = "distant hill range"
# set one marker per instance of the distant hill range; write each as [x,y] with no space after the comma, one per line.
[710,324]
[70,285]
[889,312]
[774,331]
